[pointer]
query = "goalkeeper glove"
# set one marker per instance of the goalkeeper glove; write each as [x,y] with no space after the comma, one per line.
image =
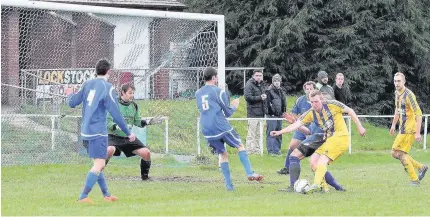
[115,127]
[155,120]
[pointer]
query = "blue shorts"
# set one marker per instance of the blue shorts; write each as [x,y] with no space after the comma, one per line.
[299,135]
[97,148]
[231,138]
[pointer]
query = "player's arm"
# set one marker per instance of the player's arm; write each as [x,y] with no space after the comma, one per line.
[110,123]
[354,118]
[418,116]
[394,123]
[225,104]
[395,119]
[295,110]
[291,118]
[138,121]
[75,99]
[288,129]
[113,108]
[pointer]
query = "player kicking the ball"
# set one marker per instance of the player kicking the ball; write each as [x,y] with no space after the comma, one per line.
[214,108]
[328,116]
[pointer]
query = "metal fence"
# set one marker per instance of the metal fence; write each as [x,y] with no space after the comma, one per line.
[347,118]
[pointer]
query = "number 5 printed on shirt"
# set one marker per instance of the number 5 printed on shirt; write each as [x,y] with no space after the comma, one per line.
[205,103]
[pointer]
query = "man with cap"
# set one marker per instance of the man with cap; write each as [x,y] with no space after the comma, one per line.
[323,85]
[276,105]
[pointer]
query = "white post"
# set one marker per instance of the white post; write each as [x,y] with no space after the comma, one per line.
[425,132]
[198,137]
[52,132]
[244,80]
[117,11]
[261,138]
[166,139]
[350,135]
[221,52]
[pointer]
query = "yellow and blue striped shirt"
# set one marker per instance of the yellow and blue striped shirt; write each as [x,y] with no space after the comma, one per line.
[329,119]
[408,109]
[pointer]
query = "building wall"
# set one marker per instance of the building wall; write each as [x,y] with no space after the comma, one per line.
[9,54]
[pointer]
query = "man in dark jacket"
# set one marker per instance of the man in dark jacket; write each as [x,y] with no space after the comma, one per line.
[254,96]
[275,106]
[323,85]
[340,91]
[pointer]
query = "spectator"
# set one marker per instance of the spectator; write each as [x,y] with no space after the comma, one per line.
[276,105]
[254,96]
[322,84]
[340,92]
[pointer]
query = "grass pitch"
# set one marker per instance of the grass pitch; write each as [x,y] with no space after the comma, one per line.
[376,185]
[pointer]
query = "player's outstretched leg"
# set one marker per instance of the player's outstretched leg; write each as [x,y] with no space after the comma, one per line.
[244,159]
[332,182]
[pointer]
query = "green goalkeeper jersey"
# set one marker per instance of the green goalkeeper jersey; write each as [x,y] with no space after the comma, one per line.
[130,111]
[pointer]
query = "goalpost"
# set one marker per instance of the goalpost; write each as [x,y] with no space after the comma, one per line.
[51,49]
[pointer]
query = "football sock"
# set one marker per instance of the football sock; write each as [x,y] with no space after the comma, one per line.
[89,184]
[144,167]
[331,181]
[287,159]
[226,172]
[294,169]
[416,164]
[320,173]
[243,156]
[103,185]
[409,168]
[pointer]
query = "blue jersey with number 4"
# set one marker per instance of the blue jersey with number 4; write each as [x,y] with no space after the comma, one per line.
[214,107]
[97,97]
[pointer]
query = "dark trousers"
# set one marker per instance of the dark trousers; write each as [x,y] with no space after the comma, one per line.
[273,143]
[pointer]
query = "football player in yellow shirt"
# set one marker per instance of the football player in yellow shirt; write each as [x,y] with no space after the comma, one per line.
[409,114]
[328,116]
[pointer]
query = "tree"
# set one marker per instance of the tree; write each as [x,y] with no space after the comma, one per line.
[367,40]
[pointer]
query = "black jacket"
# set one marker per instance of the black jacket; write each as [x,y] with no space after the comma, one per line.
[276,101]
[254,103]
[341,94]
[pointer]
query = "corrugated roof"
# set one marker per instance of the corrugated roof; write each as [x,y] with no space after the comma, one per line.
[162,4]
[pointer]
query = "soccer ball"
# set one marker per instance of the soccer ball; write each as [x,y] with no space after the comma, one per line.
[301,185]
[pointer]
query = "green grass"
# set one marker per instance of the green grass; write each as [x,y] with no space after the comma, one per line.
[376,184]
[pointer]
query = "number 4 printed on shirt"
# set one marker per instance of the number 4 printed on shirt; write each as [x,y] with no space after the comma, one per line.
[90,97]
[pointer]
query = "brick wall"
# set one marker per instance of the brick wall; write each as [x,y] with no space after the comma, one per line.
[9,54]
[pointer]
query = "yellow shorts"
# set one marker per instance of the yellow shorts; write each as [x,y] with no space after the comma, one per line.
[334,146]
[403,142]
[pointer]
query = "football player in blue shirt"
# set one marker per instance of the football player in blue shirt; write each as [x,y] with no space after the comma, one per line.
[214,108]
[301,106]
[97,97]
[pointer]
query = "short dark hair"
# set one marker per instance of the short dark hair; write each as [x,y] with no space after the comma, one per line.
[125,87]
[315,93]
[102,67]
[256,70]
[209,73]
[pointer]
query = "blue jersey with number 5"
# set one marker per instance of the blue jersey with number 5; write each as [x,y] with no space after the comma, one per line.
[97,97]
[214,108]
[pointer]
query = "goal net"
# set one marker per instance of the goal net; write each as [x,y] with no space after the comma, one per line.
[50,49]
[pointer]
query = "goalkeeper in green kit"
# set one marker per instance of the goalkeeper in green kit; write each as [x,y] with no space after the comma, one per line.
[118,141]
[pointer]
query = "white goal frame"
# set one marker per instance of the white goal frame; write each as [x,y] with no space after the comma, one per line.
[219,19]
